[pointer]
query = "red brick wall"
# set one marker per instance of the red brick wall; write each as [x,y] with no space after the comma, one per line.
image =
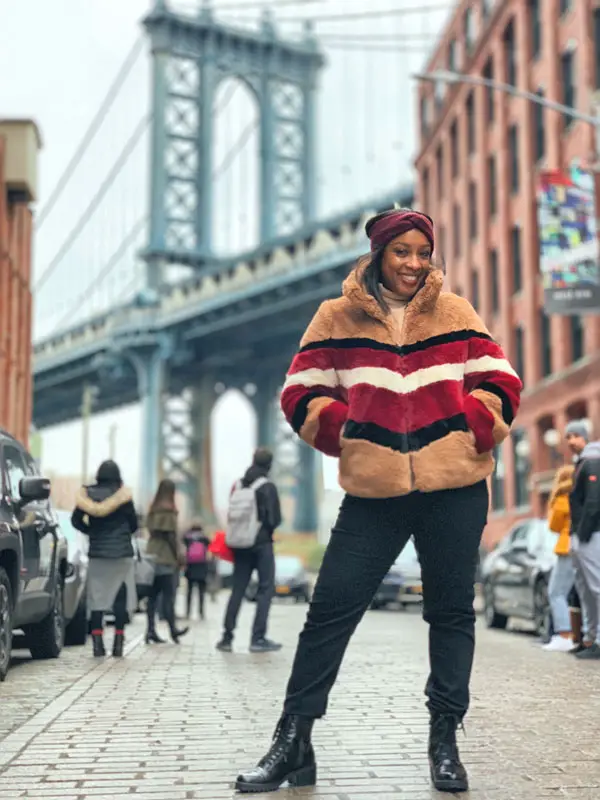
[573,389]
[15,312]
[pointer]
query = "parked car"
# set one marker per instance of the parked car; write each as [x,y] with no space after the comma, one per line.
[33,558]
[515,576]
[291,580]
[75,581]
[402,584]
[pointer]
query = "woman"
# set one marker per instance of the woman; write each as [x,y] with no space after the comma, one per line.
[197,561]
[105,513]
[406,387]
[563,572]
[163,549]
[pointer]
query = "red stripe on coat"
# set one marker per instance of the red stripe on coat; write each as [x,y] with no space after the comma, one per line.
[509,384]
[331,421]
[291,396]
[481,423]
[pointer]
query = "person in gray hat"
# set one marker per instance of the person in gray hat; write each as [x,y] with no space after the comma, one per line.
[577,435]
[584,502]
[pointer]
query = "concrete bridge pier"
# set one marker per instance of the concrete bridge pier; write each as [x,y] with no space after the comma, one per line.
[306,517]
[203,398]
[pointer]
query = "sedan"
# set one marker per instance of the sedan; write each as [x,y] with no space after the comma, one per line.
[75,591]
[516,574]
[291,580]
[402,585]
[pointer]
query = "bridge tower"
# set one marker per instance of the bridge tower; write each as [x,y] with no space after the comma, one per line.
[191,56]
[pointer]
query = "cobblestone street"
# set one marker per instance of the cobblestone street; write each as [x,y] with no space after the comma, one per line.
[178,722]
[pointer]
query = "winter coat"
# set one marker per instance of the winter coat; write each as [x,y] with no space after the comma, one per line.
[199,571]
[106,515]
[417,409]
[559,511]
[163,544]
[584,499]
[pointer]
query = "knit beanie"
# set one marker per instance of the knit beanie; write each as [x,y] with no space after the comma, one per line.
[578,427]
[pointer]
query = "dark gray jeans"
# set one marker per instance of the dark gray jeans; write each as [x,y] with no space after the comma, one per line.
[259,558]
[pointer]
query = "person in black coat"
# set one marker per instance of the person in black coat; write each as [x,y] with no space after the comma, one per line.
[105,513]
[197,564]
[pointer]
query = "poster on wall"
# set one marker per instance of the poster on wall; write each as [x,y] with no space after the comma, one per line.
[569,253]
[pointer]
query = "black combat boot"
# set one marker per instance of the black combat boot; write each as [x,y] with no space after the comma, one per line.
[118,643]
[447,772]
[290,758]
[98,644]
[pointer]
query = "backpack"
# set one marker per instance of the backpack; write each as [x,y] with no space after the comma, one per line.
[196,553]
[243,524]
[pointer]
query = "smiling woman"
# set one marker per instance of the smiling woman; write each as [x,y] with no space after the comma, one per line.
[403,383]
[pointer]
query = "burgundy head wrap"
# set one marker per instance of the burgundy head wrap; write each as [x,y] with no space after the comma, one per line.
[387,228]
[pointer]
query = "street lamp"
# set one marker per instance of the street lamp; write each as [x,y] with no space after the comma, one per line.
[447,76]
[552,439]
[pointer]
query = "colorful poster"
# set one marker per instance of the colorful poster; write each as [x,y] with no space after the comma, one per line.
[569,253]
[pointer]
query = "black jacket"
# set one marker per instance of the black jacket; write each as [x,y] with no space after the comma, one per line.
[267,503]
[106,514]
[584,499]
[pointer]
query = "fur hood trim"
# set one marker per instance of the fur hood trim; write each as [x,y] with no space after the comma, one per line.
[563,482]
[102,508]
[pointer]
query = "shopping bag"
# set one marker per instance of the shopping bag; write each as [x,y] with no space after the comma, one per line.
[219,548]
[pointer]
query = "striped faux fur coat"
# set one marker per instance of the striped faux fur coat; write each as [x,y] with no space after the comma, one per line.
[421,413]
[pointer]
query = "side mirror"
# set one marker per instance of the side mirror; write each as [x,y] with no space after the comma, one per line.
[34,488]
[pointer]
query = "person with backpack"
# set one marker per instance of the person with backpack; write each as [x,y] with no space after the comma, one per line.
[197,558]
[253,515]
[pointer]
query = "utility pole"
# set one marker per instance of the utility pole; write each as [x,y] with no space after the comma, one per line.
[87,403]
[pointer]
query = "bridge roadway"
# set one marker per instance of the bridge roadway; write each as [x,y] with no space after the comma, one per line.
[239,320]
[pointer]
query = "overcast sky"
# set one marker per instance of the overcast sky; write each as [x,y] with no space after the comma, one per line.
[58,60]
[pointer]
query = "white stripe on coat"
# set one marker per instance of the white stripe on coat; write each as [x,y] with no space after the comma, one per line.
[382,378]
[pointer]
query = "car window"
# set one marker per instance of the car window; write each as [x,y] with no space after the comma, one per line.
[13,470]
[30,466]
[287,566]
[518,537]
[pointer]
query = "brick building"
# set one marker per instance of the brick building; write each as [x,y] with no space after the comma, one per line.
[19,145]
[480,153]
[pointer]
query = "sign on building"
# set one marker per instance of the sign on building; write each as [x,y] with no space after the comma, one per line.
[569,253]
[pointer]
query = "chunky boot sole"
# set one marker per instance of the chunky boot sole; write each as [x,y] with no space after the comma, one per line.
[307,776]
[448,785]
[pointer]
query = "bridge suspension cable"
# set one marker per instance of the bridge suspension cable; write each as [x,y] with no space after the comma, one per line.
[92,130]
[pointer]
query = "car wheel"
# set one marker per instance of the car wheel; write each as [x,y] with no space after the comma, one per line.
[541,608]
[6,622]
[492,618]
[77,630]
[46,639]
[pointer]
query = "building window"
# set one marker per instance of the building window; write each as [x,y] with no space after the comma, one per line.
[515,236]
[453,56]
[487,8]
[425,121]
[475,289]
[456,229]
[535,25]
[454,149]
[597,44]
[513,152]
[510,54]
[439,94]
[564,6]
[425,185]
[439,168]
[577,338]
[488,74]
[471,133]
[520,352]
[498,497]
[495,281]
[521,461]
[545,341]
[492,187]
[469,30]
[473,210]
[538,125]
[567,73]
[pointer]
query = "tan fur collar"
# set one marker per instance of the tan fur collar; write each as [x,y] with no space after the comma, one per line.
[104,507]
[424,300]
[563,483]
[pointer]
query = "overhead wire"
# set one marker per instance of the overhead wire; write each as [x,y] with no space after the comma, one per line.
[92,130]
[361,15]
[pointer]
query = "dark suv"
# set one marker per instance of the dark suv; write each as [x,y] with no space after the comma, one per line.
[33,558]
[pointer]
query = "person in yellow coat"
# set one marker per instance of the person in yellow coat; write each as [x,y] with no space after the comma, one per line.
[563,572]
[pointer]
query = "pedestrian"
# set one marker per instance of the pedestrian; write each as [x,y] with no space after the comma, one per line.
[105,513]
[197,558]
[563,573]
[255,510]
[585,536]
[163,548]
[405,386]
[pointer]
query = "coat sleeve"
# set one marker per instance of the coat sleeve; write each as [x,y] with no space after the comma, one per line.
[130,514]
[493,388]
[311,398]
[558,513]
[77,521]
[588,487]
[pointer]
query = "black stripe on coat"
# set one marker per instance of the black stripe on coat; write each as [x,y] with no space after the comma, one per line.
[508,414]
[405,443]
[405,349]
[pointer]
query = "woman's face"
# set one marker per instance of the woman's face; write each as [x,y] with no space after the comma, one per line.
[406,262]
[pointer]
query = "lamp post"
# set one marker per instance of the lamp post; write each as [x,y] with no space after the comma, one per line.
[447,76]
[522,465]
[552,439]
